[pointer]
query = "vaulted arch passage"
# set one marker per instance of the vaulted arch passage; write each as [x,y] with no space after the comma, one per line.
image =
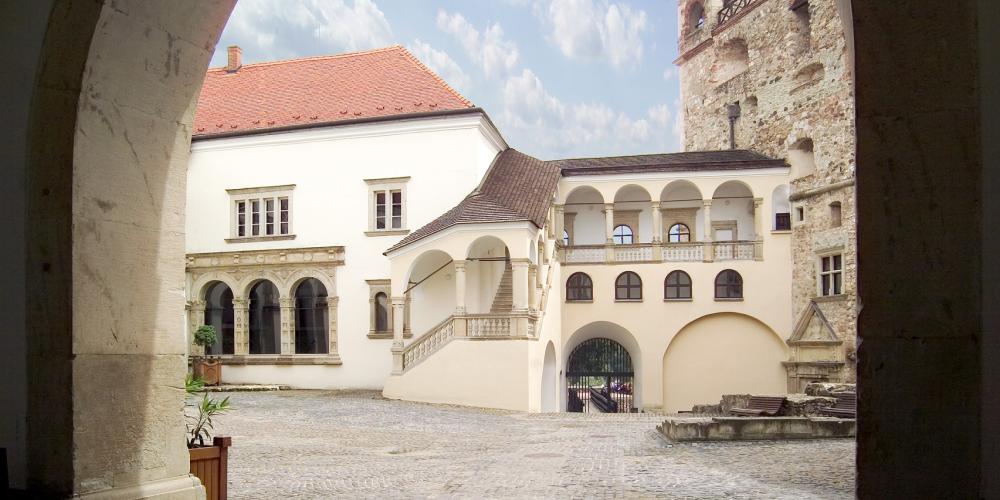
[600,378]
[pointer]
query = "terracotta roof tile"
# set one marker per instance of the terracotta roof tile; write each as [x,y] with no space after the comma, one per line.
[316,90]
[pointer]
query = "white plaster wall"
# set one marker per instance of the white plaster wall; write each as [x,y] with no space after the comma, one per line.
[431,302]
[489,374]
[330,207]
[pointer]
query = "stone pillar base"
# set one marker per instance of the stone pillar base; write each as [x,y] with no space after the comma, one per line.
[186,487]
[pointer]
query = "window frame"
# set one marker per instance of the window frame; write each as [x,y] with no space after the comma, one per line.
[615,237]
[729,286]
[628,287]
[589,287]
[667,286]
[833,272]
[670,233]
[250,217]
[375,287]
[389,188]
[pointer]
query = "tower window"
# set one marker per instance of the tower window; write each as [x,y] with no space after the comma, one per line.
[835,220]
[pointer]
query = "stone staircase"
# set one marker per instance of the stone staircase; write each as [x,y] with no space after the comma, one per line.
[503,301]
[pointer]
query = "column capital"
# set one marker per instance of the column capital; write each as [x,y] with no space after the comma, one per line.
[239,303]
[706,203]
[286,302]
[758,202]
[559,206]
[460,264]
[609,206]
[655,205]
[398,301]
[520,262]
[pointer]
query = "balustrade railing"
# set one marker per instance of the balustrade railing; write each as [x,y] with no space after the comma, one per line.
[488,325]
[735,250]
[633,253]
[585,254]
[684,252]
[430,342]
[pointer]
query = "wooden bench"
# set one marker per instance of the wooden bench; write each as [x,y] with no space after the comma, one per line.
[603,402]
[845,407]
[760,406]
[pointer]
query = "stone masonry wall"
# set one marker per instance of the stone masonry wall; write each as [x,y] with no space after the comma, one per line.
[795,86]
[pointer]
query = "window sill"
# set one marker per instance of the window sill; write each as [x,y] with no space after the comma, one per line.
[388,335]
[721,299]
[591,301]
[628,300]
[393,232]
[678,300]
[830,298]
[781,231]
[251,239]
[281,359]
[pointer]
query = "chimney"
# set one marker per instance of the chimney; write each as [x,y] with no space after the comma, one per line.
[235,58]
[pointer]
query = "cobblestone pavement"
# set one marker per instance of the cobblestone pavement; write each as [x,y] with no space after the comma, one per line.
[315,444]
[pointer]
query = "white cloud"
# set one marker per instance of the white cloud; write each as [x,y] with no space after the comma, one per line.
[678,128]
[597,30]
[670,73]
[441,63]
[490,50]
[547,126]
[270,30]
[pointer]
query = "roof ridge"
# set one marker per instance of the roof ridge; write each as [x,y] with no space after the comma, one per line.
[409,55]
[643,155]
[317,58]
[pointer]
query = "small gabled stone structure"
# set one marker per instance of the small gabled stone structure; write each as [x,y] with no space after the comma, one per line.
[816,350]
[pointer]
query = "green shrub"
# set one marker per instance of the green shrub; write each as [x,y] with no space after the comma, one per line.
[205,335]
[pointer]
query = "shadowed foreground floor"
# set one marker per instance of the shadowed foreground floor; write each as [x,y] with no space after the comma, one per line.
[318,444]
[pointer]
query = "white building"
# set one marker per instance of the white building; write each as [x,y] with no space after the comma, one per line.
[458,270]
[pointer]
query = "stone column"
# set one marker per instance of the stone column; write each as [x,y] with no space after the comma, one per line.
[241,327]
[398,310]
[709,250]
[560,214]
[520,279]
[287,326]
[657,222]
[196,318]
[333,350]
[757,218]
[609,222]
[532,287]
[460,287]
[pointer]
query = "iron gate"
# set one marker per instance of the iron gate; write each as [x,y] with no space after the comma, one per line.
[599,377]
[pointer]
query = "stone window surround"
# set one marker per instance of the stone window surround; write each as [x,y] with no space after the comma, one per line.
[628,217]
[730,225]
[376,286]
[261,193]
[672,216]
[387,185]
[284,268]
[829,252]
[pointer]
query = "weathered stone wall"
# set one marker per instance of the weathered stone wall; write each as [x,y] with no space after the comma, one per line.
[796,86]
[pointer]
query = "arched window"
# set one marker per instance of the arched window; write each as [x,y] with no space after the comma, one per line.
[311,318]
[219,313]
[628,286]
[729,285]
[696,17]
[679,233]
[565,237]
[677,286]
[265,319]
[622,235]
[579,287]
[381,313]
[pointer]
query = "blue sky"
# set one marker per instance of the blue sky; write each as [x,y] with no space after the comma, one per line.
[560,78]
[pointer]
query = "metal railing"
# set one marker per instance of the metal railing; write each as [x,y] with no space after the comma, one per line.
[730,8]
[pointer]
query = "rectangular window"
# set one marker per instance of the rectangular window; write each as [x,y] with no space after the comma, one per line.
[284,215]
[241,219]
[386,205]
[261,212]
[831,275]
[255,218]
[397,209]
[269,216]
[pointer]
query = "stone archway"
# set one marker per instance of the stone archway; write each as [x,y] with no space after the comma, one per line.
[550,384]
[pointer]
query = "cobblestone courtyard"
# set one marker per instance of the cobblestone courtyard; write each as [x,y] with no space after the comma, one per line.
[314,444]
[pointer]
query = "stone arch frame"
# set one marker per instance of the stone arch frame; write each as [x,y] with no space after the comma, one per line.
[71,457]
[609,330]
[690,22]
[732,58]
[291,284]
[196,307]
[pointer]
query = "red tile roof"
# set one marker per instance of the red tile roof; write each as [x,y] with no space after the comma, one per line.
[319,90]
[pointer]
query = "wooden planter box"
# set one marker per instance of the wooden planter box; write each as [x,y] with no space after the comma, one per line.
[208,370]
[210,464]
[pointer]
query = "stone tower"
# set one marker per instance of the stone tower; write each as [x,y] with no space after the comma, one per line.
[774,76]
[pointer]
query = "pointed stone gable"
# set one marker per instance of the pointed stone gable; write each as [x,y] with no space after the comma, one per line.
[813,328]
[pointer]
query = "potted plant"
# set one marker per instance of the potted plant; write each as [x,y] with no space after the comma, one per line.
[210,463]
[206,368]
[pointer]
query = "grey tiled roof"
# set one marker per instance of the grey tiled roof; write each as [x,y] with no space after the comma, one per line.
[516,188]
[733,159]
